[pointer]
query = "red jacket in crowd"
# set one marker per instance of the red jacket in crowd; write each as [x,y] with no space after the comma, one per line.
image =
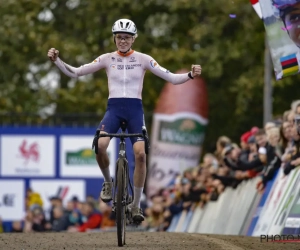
[93,222]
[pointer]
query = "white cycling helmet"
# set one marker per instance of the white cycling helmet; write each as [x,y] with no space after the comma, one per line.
[124,26]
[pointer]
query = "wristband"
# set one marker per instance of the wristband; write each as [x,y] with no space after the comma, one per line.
[190,75]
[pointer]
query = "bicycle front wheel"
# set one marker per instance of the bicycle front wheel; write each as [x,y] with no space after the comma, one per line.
[121,202]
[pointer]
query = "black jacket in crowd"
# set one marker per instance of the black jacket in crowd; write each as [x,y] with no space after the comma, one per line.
[288,167]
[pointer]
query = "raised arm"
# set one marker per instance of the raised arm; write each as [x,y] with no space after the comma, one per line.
[72,71]
[165,74]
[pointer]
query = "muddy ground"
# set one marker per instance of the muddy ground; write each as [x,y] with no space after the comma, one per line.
[136,241]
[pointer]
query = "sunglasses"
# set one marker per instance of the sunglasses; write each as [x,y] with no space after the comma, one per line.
[125,38]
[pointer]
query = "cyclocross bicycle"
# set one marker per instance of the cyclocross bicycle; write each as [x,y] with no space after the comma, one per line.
[121,195]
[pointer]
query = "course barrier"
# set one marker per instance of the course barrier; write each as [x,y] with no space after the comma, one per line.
[243,211]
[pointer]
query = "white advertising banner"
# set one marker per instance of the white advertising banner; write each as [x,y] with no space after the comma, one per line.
[12,195]
[286,203]
[27,155]
[176,145]
[269,210]
[77,158]
[64,189]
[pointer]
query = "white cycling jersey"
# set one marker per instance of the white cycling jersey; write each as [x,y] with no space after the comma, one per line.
[125,73]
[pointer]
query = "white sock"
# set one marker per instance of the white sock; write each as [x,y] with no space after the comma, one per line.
[137,196]
[106,174]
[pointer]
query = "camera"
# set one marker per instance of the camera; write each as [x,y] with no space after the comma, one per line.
[297,123]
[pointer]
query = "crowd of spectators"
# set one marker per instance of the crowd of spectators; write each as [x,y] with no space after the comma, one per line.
[260,153]
[75,216]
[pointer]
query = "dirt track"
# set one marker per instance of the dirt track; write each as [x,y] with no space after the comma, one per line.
[135,240]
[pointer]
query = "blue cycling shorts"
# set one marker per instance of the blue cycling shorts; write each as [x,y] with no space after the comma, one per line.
[118,110]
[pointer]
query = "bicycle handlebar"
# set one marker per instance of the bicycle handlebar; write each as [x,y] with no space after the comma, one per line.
[123,135]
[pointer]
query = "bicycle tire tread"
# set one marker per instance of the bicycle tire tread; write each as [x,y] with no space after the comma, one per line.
[120,208]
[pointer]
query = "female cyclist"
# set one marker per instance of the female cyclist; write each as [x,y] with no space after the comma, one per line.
[125,69]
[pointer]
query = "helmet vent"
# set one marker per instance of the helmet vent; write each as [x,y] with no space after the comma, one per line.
[124,26]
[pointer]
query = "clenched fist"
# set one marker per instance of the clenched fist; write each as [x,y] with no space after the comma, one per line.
[196,70]
[53,54]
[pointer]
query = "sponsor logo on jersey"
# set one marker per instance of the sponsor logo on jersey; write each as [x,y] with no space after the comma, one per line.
[129,67]
[153,64]
[119,59]
[132,59]
[113,59]
[132,66]
[112,66]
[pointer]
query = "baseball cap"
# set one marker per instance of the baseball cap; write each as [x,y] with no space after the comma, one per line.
[245,136]
[251,139]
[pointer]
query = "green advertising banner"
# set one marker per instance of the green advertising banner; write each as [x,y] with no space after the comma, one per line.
[178,131]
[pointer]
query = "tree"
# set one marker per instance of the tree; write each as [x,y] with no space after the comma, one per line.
[176,33]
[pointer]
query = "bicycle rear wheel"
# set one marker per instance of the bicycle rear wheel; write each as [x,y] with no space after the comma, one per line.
[121,202]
